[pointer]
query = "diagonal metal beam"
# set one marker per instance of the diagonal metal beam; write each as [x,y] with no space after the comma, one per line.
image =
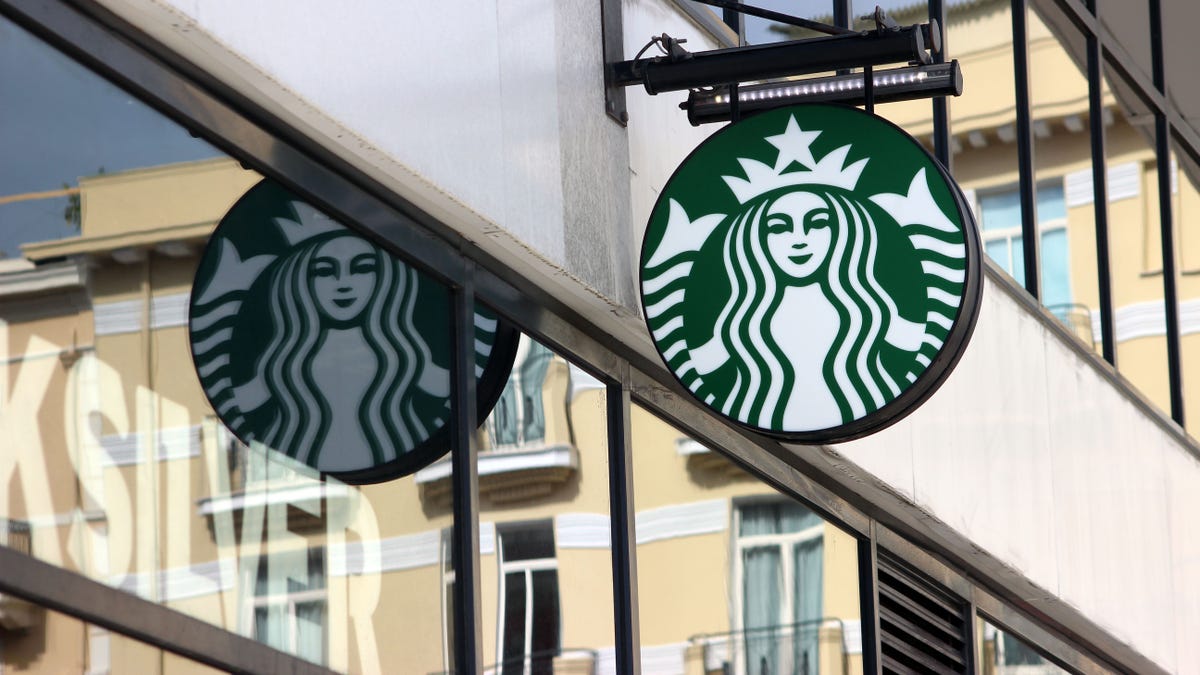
[73,594]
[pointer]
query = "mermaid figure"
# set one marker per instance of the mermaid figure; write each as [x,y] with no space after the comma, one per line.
[807,338]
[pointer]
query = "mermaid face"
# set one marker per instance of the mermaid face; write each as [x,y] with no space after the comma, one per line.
[798,233]
[344,273]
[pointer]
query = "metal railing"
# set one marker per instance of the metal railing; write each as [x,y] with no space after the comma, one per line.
[811,647]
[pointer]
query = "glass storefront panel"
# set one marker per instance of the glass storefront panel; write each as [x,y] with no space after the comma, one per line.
[140,413]
[64,127]
[546,557]
[769,586]
[41,641]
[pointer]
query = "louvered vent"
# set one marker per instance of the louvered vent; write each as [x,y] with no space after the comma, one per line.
[923,627]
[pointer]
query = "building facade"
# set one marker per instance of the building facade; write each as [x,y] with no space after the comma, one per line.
[1033,516]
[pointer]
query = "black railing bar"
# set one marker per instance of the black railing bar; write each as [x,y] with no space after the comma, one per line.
[1162,143]
[1028,196]
[796,624]
[1108,330]
[941,107]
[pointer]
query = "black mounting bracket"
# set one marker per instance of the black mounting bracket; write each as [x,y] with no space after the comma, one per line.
[677,69]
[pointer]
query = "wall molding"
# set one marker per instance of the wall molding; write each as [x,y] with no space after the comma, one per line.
[173,443]
[1124,182]
[115,318]
[1149,319]
[125,316]
[682,520]
[582,530]
[169,311]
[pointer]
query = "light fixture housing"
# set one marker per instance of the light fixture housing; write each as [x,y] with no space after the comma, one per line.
[895,84]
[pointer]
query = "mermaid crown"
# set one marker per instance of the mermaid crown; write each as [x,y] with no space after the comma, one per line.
[308,223]
[795,146]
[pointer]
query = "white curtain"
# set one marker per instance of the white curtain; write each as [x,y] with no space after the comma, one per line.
[772,646]
[807,603]
[761,592]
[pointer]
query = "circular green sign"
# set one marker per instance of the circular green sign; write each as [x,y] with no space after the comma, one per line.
[811,273]
[318,344]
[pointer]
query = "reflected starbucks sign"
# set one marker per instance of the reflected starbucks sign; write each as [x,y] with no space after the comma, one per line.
[811,273]
[322,346]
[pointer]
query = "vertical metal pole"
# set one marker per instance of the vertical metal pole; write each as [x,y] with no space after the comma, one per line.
[624,542]
[869,89]
[843,18]
[1029,231]
[971,614]
[941,107]
[842,11]
[1162,139]
[468,629]
[737,21]
[868,602]
[1108,331]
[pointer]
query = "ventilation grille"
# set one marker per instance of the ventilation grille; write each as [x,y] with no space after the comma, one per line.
[922,627]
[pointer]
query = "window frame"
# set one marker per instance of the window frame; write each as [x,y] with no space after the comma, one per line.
[526,566]
[1008,234]
[289,599]
[785,542]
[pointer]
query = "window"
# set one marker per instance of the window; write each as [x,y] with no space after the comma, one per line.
[1000,213]
[1002,653]
[528,637]
[519,417]
[290,603]
[779,556]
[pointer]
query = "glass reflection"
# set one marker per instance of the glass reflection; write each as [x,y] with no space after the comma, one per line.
[546,560]
[116,465]
[64,123]
[1002,653]
[42,640]
[769,586]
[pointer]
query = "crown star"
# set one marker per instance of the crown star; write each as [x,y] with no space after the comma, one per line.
[794,145]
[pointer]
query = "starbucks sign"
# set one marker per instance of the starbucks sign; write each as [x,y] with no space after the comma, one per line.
[811,273]
[313,342]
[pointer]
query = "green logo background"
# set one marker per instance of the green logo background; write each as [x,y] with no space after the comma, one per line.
[716,297]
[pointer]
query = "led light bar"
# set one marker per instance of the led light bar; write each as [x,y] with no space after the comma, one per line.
[896,84]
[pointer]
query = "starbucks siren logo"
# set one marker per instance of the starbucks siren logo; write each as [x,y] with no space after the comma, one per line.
[811,272]
[314,342]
